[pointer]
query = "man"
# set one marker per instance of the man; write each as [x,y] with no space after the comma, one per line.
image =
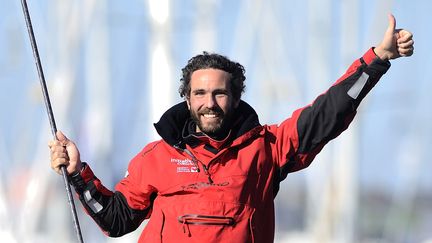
[214,175]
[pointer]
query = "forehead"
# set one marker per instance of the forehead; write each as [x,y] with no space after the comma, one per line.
[209,78]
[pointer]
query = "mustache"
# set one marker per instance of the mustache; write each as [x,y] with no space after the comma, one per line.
[215,110]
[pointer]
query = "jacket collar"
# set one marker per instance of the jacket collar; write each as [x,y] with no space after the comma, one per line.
[171,125]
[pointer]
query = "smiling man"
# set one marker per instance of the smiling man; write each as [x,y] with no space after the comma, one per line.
[215,173]
[211,101]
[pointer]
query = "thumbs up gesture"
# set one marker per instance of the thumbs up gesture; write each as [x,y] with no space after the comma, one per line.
[396,42]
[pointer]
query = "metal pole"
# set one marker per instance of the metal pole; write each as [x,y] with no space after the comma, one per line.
[50,115]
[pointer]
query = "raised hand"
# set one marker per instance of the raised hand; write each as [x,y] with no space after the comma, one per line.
[396,42]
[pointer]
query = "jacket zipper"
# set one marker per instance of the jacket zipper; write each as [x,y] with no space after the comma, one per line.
[198,219]
[197,162]
[207,173]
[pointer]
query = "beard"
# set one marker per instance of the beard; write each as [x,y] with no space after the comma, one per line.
[215,127]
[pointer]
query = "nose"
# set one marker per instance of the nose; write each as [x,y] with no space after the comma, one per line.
[211,101]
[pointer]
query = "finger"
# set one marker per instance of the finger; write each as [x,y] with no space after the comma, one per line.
[54,143]
[407,44]
[56,164]
[58,149]
[392,24]
[58,145]
[404,36]
[406,51]
[61,137]
[405,48]
[408,54]
[59,154]
[60,161]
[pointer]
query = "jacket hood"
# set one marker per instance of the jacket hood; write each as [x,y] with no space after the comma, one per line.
[171,125]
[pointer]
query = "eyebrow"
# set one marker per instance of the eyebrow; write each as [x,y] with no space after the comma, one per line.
[214,91]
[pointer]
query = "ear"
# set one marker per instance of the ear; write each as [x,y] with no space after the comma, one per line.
[188,103]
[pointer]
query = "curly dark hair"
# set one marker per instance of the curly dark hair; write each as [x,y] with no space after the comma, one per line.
[216,61]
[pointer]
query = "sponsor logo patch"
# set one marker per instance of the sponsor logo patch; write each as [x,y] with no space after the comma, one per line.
[184,165]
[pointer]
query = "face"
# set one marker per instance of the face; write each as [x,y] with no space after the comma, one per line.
[211,102]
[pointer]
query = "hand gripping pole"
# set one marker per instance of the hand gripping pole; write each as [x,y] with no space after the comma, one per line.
[50,115]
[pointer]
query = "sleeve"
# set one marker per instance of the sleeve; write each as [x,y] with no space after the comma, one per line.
[119,212]
[301,137]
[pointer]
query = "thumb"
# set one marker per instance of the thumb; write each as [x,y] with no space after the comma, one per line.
[392,24]
[61,137]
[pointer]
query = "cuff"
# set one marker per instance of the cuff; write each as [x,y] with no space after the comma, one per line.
[370,56]
[80,179]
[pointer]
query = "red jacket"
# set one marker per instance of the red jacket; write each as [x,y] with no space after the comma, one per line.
[196,189]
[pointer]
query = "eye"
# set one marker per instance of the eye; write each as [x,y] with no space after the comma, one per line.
[199,92]
[221,93]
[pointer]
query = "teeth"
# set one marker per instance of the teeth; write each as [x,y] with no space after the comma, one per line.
[209,115]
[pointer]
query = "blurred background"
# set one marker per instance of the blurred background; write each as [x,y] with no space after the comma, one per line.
[113,67]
